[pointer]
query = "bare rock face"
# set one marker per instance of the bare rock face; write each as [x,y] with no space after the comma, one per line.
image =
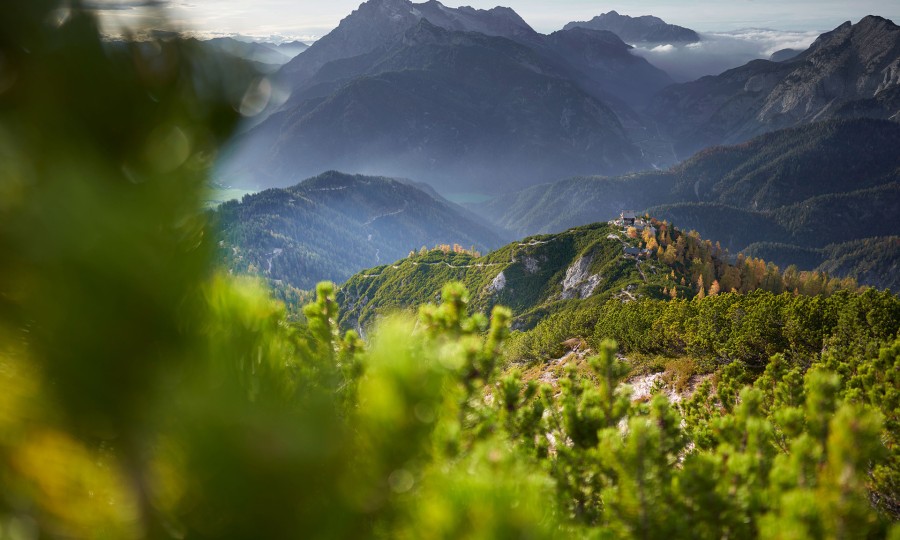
[578,282]
[850,72]
[498,284]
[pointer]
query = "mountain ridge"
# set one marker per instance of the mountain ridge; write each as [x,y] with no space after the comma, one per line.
[580,268]
[332,225]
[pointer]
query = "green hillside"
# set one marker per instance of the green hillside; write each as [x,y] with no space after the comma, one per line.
[816,222]
[584,266]
[787,254]
[873,260]
[522,275]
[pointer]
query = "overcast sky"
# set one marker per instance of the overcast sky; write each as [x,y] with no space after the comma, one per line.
[309,19]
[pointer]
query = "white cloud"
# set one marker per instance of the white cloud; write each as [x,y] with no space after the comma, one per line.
[770,41]
[721,51]
[662,49]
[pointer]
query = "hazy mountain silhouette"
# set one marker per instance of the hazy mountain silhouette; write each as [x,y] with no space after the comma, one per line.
[378,22]
[460,110]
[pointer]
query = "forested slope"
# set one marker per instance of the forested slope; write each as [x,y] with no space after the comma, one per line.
[873,260]
[333,225]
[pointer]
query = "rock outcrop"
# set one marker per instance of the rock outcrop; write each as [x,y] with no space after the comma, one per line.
[579,283]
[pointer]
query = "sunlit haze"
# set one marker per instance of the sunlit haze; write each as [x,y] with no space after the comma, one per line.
[310,19]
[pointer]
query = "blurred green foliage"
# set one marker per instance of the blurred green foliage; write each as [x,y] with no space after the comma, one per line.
[145,395]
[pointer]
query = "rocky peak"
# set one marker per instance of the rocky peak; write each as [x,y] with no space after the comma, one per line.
[614,16]
[374,10]
[373,24]
[378,22]
[509,15]
[870,27]
[646,28]
[874,21]
[828,38]
[496,22]
[424,32]
[874,40]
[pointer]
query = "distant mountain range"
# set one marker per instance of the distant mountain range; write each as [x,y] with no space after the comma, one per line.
[645,29]
[467,100]
[265,53]
[291,48]
[476,101]
[333,225]
[808,187]
[795,156]
[852,71]
[267,56]
[598,55]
